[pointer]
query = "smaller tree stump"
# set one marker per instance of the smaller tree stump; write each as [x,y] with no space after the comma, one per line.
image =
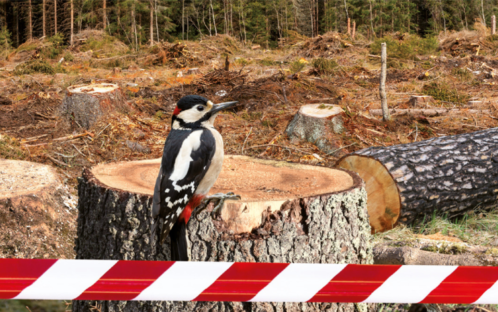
[420,100]
[193,71]
[317,123]
[87,103]
[34,212]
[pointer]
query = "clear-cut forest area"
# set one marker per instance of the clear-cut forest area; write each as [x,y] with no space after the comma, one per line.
[85,83]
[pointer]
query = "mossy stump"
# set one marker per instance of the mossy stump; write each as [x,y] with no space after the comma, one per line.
[324,221]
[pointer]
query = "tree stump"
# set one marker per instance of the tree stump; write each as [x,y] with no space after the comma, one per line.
[318,124]
[446,176]
[85,104]
[35,209]
[288,213]
[420,100]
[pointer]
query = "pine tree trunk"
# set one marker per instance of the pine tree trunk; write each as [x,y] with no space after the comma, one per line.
[30,21]
[114,223]
[55,17]
[444,176]
[151,23]
[44,20]
[72,23]
[104,14]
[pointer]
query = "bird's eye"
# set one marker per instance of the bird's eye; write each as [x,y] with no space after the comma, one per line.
[200,108]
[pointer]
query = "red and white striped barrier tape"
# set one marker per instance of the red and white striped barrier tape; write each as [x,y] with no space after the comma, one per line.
[223,281]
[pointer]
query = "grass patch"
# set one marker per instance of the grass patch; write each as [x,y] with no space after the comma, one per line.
[10,148]
[34,66]
[462,74]
[475,228]
[267,61]
[68,57]
[324,66]
[34,305]
[442,91]
[297,66]
[242,61]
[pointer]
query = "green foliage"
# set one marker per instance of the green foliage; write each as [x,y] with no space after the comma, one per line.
[443,92]
[5,42]
[297,66]
[242,61]
[462,74]
[68,57]
[34,305]
[324,66]
[34,66]
[267,61]
[54,48]
[10,148]
[407,49]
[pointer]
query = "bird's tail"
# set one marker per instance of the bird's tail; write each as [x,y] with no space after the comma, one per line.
[178,235]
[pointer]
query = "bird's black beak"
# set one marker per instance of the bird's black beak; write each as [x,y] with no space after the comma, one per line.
[219,107]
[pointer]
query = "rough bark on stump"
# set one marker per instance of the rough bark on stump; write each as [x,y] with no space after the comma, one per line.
[317,124]
[34,212]
[446,175]
[85,104]
[321,228]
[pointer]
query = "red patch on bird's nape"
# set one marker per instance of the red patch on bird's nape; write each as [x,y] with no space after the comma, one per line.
[176,111]
[192,204]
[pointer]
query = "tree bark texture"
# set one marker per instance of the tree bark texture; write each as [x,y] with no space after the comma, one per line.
[445,176]
[332,228]
[86,104]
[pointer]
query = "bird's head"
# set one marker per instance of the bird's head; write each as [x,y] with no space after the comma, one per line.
[194,111]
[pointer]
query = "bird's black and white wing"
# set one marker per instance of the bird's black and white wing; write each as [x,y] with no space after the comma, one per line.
[187,154]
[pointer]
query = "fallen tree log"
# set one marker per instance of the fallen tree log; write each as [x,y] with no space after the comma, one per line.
[36,212]
[428,112]
[445,176]
[288,213]
[85,104]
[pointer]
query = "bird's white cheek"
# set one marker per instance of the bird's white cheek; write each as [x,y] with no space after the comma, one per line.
[191,115]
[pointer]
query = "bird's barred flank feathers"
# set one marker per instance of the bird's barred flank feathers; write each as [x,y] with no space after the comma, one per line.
[224,281]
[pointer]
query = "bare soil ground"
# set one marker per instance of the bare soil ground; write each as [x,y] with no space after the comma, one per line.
[267,85]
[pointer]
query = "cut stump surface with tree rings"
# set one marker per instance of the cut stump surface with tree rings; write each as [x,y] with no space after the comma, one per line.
[444,176]
[317,124]
[288,213]
[85,104]
[33,202]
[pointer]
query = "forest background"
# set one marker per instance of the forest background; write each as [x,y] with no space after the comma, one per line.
[267,23]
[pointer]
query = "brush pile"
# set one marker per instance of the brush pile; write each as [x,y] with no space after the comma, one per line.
[322,46]
[192,54]
[474,42]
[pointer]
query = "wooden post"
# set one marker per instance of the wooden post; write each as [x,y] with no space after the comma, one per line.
[382,86]
[493,25]
[349,26]
[354,30]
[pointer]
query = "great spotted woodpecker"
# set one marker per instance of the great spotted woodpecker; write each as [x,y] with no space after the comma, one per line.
[191,162]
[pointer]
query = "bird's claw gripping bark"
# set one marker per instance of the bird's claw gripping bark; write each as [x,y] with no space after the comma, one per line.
[220,197]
